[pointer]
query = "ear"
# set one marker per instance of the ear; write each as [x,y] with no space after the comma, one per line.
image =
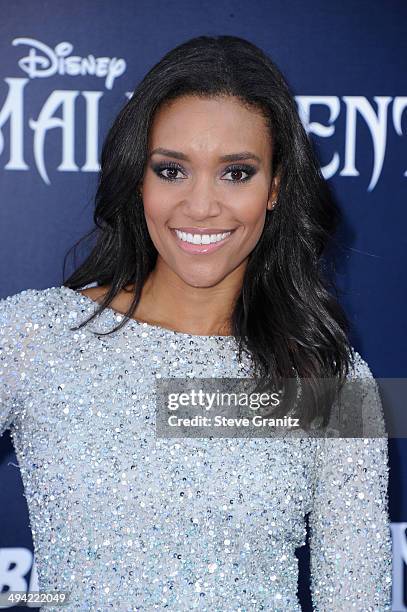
[273,193]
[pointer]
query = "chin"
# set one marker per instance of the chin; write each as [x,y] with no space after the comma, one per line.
[200,280]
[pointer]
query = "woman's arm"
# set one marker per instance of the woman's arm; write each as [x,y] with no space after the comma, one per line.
[15,331]
[350,538]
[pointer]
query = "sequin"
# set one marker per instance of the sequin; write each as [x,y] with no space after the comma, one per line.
[124,520]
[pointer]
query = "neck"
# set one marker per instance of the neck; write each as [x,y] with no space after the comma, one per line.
[168,301]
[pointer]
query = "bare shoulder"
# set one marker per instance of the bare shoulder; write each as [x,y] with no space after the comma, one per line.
[120,302]
[101,290]
[94,293]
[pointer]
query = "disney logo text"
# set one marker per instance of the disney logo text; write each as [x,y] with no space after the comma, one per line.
[59,60]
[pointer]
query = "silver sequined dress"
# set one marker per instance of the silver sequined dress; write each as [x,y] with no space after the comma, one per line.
[125,520]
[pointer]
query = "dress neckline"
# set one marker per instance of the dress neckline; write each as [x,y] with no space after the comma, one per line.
[136,324]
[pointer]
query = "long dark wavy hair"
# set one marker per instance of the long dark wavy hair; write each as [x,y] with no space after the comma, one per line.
[287,316]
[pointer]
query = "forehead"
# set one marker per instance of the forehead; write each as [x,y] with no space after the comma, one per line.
[203,125]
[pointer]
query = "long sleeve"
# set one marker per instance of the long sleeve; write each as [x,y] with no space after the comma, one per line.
[350,538]
[14,338]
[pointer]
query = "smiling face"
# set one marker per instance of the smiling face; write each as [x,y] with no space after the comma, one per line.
[193,183]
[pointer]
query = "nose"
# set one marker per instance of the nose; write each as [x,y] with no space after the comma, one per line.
[202,200]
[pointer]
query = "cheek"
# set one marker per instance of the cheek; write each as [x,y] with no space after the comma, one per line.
[155,210]
[252,213]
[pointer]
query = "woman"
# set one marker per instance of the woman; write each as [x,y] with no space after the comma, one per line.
[212,219]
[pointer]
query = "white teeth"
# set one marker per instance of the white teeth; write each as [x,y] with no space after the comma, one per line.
[201,238]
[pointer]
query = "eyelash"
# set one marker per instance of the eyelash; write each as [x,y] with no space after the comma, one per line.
[157,168]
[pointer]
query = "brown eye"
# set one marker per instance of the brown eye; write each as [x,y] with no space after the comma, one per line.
[236,172]
[170,167]
[172,173]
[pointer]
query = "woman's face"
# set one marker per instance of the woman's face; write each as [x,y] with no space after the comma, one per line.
[188,187]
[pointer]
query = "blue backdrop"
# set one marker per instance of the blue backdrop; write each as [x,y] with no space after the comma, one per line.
[66,69]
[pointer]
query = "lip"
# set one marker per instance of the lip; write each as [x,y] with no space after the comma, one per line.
[202,230]
[200,249]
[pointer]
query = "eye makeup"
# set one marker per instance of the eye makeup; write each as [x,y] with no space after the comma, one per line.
[174,167]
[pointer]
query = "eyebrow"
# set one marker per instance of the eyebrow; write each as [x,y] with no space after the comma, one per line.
[231,157]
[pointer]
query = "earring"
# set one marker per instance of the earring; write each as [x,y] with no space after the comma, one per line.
[274,202]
